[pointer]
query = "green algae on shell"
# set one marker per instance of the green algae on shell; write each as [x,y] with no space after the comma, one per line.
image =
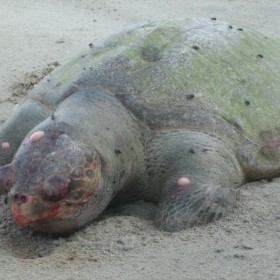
[231,74]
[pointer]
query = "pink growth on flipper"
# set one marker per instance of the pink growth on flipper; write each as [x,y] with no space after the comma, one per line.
[184,181]
[5,145]
[36,136]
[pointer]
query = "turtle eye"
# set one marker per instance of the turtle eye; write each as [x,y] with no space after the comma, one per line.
[58,187]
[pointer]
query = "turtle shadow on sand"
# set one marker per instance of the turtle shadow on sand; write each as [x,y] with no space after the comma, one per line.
[27,244]
[23,243]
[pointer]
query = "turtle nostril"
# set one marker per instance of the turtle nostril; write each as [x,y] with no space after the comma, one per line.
[19,198]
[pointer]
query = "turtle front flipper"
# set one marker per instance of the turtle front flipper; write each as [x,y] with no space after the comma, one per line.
[191,204]
[200,179]
[25,117]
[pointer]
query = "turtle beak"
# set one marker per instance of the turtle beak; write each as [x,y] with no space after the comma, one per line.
[27,209]
[20,208]
[7,178]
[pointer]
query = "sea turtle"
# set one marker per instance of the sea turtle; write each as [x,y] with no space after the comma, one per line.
[179,112]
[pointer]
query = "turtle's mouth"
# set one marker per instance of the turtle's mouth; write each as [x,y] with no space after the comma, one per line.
[35,210]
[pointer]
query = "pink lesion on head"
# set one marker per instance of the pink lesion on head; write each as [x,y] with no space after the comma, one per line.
[36,136]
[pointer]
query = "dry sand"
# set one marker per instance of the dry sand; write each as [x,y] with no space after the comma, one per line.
[124,244]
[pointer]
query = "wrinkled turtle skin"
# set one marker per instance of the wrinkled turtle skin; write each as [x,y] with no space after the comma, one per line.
[180,112]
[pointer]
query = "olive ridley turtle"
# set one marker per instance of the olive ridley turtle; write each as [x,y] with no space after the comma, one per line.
[180,112]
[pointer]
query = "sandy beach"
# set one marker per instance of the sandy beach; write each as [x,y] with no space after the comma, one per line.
[123,244]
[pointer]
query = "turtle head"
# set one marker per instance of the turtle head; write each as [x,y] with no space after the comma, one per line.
[51,181]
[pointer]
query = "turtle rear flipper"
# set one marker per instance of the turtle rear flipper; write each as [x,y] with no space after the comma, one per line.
[25,117]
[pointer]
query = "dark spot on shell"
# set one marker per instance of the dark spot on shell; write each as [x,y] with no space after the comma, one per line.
[240,29]
[114,182]
[194,47]
[107,128]
[84,68]
[6,200]
[247,102]
[151,53]
[260,55]
[83,56]
[190,96]
[205,150]
[91,45]
[219,250]
[192,151]
[213,18]
[230,27]
[243,81]
[53,117]
[117,151]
